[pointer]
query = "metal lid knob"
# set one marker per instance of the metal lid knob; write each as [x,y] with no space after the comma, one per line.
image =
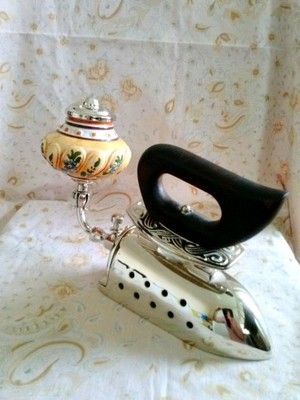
[90,109]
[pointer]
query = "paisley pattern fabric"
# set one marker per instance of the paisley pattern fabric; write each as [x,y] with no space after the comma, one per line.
[61,338]
[217,77]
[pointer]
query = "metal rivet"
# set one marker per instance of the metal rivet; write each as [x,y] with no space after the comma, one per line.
[186,209]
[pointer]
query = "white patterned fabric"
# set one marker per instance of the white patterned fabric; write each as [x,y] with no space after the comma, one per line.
[217,77]
[61,338]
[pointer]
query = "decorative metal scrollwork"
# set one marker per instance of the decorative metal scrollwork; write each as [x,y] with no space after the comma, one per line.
[220,258]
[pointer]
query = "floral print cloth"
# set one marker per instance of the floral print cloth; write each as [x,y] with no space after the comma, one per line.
[217,77]
[61,338]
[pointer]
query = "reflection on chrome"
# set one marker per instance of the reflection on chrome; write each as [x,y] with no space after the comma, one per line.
[202,306]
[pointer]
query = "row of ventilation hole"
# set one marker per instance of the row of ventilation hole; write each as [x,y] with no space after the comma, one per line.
[152,304]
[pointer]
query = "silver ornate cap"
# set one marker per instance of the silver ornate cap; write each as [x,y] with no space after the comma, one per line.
[90,109]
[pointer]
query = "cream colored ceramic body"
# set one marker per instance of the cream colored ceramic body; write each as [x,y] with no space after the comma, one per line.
[86,149]
[83,158]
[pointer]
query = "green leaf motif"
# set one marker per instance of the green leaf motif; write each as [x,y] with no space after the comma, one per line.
[93,168]
[74,158]
[115,165]
[97,163]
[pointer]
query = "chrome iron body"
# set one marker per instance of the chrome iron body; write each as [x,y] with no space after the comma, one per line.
[192,299]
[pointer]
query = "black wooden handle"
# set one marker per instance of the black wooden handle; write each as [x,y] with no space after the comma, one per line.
[246,206]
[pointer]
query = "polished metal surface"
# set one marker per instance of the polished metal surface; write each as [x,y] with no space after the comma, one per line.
[90,109]
[205,307]
[194,301]
[81,196]
[174,244]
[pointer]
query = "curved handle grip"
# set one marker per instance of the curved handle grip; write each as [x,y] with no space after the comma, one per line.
[246,206]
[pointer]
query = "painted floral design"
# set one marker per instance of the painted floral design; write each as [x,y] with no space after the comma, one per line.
[92,169]
[115,165]
[74,158]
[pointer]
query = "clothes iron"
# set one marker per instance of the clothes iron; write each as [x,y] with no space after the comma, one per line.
[169,266]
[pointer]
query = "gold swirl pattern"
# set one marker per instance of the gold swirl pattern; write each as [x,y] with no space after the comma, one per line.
[217,87]
[47,369]
[201,28]
[44,310]
[18,346]
[16,127]
[194,144]
[220,146]
[196,363]
[169,106]
[25,104]
[27,82]
[238,102]
[114,11]
[17,382]
[4,68]
[4,16]
[13,180]
[56,343]
[31,195]
[101,362]
[231,124]
[223,38]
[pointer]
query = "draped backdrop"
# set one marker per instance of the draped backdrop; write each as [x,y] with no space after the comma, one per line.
[216,77]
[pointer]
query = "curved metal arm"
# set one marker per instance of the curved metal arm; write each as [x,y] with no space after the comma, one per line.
[82,196]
